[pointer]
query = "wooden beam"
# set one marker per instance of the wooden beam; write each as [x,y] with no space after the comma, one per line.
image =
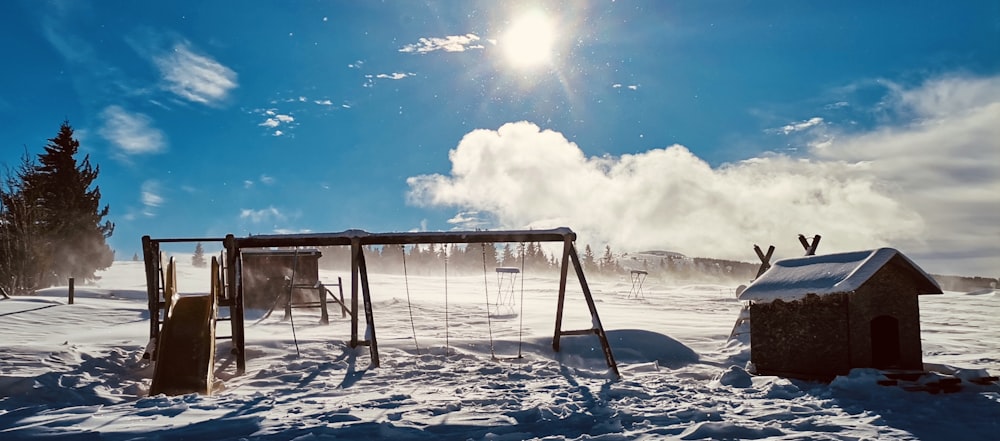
[563,271]
[348,237]
[369,313]
[765,259]
[595,319]
[809,247]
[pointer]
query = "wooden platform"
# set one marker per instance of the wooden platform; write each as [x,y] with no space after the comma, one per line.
[933,382]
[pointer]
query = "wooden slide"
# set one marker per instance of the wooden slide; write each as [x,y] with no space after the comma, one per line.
[185,349]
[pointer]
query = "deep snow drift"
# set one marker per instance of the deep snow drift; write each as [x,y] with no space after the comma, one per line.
[76,370]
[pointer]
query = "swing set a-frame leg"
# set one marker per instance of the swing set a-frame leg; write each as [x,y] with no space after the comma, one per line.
[359,269]
[569,254]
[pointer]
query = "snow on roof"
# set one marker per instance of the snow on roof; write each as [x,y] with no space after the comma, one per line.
[794,278]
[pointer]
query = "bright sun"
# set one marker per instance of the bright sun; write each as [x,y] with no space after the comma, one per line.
[528,43]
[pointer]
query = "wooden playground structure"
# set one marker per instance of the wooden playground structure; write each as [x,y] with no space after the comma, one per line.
[229,289]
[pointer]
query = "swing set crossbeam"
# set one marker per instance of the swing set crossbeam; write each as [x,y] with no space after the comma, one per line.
[362,237]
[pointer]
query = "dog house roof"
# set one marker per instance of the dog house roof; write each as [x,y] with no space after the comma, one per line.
[794,278]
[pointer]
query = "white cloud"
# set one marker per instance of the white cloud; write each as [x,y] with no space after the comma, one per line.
[269,214]
[930,188]
[395,75]
[278,133]
[276,119]
[801,125]
[451,43]
[133,133]
[292,231]
[195,77]
[324,102]
[468,220]
[150,197]
[266,180]
[943,162]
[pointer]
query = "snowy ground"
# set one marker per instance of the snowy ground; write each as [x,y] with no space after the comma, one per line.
[76,370]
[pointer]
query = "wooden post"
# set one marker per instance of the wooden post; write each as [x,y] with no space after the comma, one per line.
[369,314]
[151,259]
[598,327]
[234,275]
[765,259]
[355,252]
[71,293]
[343,306]
[324,317]
[810,247]
[563,270]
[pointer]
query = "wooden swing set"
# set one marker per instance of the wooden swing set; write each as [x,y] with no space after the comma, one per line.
[232,285]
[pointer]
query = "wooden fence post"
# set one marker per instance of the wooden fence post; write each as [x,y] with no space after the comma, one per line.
[71,291]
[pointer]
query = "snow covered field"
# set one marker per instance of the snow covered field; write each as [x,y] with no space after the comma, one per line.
[75,371]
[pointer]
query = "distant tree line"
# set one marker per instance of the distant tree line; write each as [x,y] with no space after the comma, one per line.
[532,257]
[52,224]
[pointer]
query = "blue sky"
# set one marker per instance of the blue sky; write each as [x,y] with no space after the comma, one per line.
[696,126]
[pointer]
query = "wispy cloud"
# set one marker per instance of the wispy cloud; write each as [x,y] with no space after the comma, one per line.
[451,43]
[132,133]
[264,179]
[801,125]
[269,214]
[468,220]
[150,197]
[629,87]
[921,185]
[195,77]
[395,75]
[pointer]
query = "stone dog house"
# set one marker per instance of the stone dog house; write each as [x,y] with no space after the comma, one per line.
[817,317]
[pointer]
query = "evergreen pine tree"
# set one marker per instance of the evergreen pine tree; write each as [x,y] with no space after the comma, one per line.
[22,257]
[70,211]
[589,264]
[198,258]
[507,257]
[609,265]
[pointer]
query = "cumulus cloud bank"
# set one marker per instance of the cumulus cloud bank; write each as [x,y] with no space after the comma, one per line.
[923,186]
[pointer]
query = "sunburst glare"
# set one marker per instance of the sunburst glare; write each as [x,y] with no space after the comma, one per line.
[529,41]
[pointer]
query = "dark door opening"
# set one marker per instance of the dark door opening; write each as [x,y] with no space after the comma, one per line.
[885,342]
